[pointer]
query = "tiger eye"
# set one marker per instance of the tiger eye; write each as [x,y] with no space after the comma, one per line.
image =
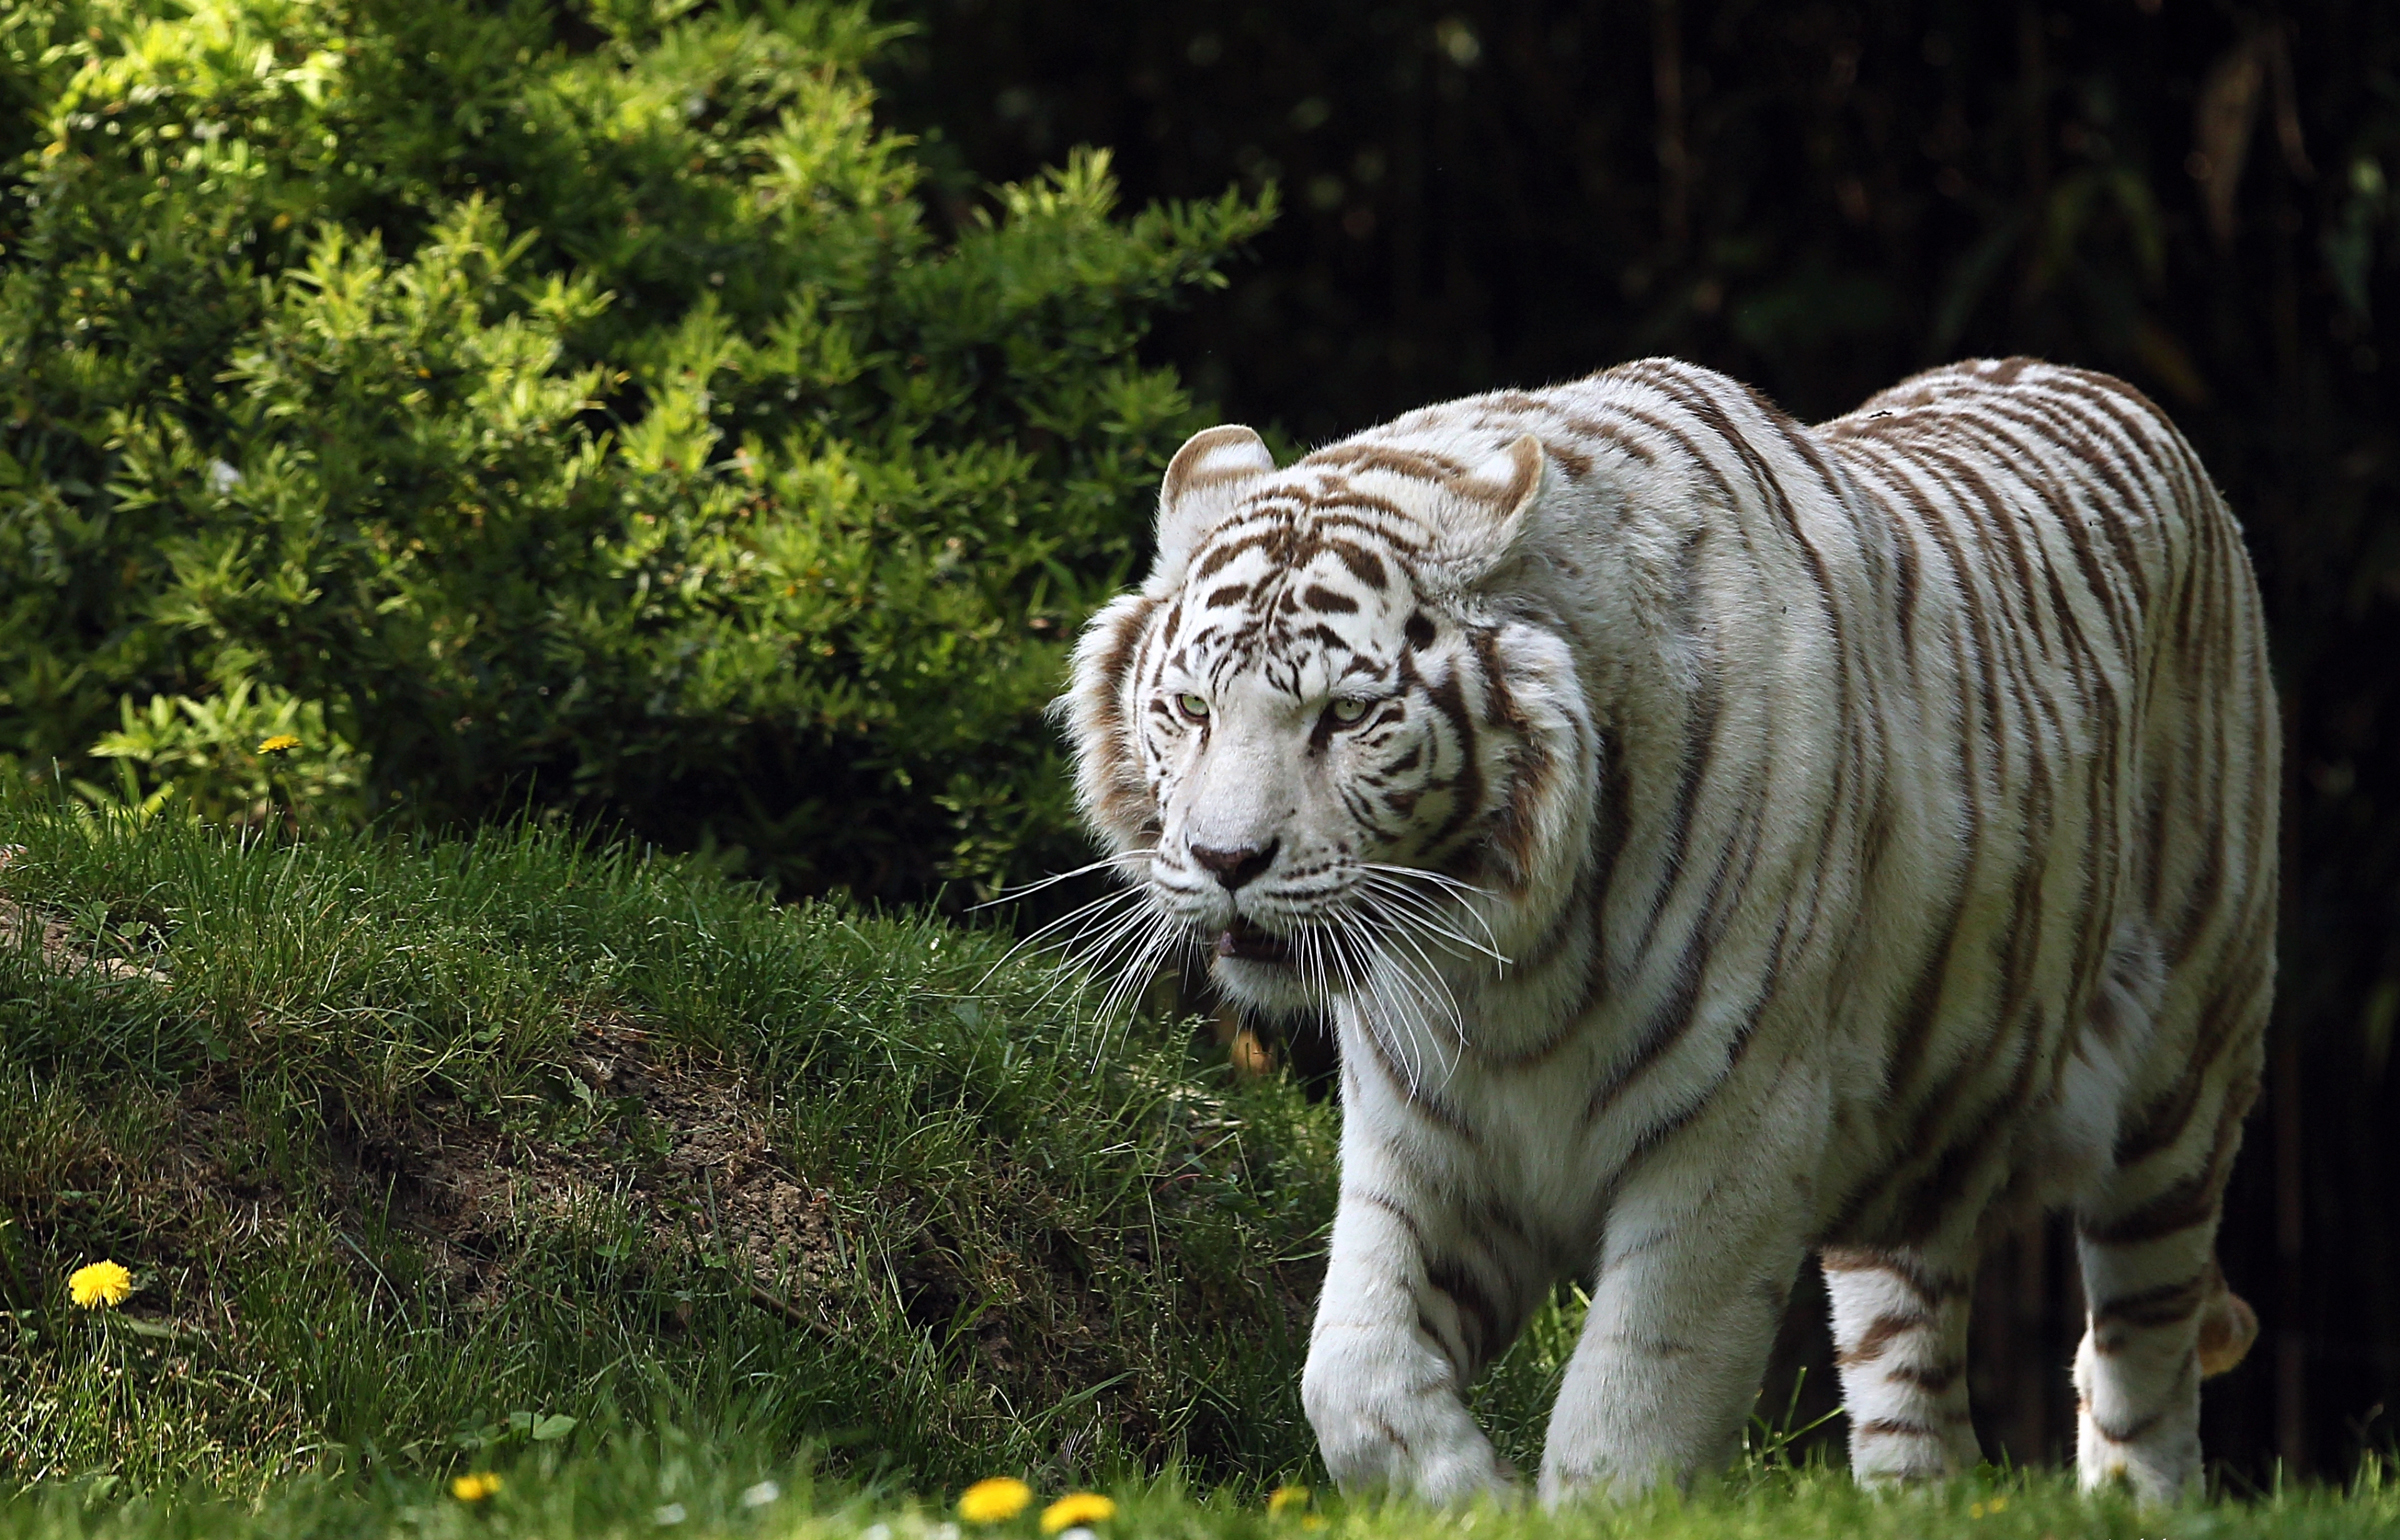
[1346,711]
[1194,706]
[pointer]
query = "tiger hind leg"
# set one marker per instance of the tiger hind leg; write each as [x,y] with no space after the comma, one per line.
[2159,1316]
[1900,1344]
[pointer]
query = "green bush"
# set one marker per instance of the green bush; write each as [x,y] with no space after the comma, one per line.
[555,405]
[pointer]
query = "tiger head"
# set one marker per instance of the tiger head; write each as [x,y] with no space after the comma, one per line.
[1318,740]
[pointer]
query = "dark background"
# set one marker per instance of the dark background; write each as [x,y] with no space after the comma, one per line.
[1821,198]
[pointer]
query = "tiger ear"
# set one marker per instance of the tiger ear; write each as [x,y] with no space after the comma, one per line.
[1494,509]
[1201,483]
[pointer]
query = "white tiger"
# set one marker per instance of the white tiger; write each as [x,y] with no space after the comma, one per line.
[1717,839]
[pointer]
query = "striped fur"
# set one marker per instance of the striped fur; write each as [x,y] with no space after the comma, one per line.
[1718,839]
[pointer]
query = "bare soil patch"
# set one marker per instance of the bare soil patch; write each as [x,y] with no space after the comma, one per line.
[676,1141]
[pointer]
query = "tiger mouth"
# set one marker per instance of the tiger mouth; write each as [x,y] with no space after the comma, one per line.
[1248,943]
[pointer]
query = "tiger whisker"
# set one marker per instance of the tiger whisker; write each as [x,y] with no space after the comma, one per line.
[1438,902]
[1438,992]
[1331,971]
[1136,976]
[1115,1014]
[1082,916]
[1394,879]
[1011,895]
[1424,874]
[1432,979]
[1312,962]
[1430,990]
[1124,982]
[1419,909]
[1408,991]
[1099,936]
[1438,913]
[1083,911]
[1119,936]
[1390,991]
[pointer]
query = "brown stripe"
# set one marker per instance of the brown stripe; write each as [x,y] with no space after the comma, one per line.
[1222,554]
[1607,433]
[1694,398]
[2188,1203]
[1927,1284]
[1364,564]
[1933,1379]
[1491,1325]
[2126,1433]
[2095,460]
[1434,1109]
[1322,513]
[1612,827]
[1673,1019]
[2118,453]
[1466,791]
[1914,1029]
[1879,1335]
[1699,742]
[2164,1304]
[1685,443]
[1390,1205]
[1423,464]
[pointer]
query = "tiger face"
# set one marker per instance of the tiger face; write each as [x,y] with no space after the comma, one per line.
[1296,734]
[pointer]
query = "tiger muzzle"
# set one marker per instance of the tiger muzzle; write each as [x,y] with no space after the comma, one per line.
[1247,942]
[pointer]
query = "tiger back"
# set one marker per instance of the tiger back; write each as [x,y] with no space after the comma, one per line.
[1718,840]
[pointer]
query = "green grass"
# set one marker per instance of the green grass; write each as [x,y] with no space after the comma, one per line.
[403,1138]
[518,1154]
[670,1486]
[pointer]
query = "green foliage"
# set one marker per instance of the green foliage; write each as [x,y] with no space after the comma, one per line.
[247,756]
[557,404]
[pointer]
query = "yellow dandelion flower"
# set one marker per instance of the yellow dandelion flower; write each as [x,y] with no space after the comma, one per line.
[281,743]
[475,1487]
[994,1500]
[1077,1508]
[101,1285]
[1285,1499]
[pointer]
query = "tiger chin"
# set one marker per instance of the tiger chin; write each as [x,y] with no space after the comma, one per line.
[1720,841]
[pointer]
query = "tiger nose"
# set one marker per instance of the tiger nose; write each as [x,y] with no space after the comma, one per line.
[1235,867]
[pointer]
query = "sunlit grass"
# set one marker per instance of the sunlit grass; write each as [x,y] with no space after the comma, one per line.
[999,1236]
[665,1483]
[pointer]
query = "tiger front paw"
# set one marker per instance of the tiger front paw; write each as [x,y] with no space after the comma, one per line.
[1383,1428]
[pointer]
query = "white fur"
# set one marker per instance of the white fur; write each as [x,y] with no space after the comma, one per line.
[1782,878]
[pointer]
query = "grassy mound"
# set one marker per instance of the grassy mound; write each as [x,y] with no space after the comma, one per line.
[421,1151]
